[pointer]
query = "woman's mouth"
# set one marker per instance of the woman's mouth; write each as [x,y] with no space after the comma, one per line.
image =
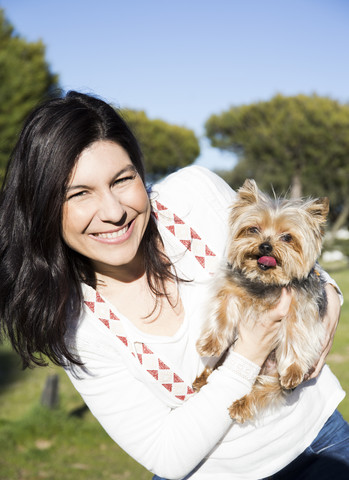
[114,236]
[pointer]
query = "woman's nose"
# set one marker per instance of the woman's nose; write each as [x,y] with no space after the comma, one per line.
[111,209]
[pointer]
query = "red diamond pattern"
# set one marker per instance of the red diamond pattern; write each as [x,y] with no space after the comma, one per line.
[91,305]
[201,260]
[146,357]
[193,234]
[186,243]
[162,365]
[187,236]
[177,220]
[103,320]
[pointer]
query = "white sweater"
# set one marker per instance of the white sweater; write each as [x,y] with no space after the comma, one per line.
[166,435]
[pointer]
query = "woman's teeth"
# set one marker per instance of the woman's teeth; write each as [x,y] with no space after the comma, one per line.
[119,233]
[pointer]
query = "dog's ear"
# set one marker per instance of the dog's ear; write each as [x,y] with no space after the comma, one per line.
[249,192]
[318,208]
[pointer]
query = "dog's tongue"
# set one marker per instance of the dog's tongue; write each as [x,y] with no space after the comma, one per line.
[267,261]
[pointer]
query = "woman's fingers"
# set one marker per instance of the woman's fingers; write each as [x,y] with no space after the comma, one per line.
[331,321]
[277,313]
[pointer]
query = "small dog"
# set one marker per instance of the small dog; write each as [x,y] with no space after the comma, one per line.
[274,243]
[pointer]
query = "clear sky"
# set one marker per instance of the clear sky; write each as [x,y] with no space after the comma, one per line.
[183,60]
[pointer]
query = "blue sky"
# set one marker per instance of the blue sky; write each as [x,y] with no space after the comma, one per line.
[184,60]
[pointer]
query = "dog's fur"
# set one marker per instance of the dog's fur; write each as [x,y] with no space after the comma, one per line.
[263,229]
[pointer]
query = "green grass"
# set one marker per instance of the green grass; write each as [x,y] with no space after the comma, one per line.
[67,443]
[53,445]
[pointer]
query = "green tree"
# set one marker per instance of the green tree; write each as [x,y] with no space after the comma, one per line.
[298,144]
[25,80]
[288,141]
[165,147]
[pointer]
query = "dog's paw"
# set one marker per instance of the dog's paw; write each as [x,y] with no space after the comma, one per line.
[210,347]
[201,380]
[292,377]
[240,410]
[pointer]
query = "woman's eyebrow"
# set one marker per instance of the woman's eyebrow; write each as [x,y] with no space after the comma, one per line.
[74,187]
[127,169]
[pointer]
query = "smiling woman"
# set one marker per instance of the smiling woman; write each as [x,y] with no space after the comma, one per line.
[106,210]
[75,177]
[110,280]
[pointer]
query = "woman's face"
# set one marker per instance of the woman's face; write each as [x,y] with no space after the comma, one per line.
[106,209]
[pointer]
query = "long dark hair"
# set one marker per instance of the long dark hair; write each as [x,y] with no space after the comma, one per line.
[40,276]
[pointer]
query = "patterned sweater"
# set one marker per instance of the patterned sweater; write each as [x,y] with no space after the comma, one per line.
[138,386]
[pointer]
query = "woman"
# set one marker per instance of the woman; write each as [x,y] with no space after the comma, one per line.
[110,282]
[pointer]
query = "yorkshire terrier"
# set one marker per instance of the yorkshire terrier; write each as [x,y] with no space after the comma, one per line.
[273,244]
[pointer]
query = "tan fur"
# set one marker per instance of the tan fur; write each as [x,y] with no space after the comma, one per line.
[293,231]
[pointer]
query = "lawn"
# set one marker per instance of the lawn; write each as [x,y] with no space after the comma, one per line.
[67,443]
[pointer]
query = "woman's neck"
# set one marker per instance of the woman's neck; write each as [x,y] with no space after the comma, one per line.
[133,298]
[108,275]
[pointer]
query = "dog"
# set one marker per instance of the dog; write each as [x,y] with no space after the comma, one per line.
[274,243]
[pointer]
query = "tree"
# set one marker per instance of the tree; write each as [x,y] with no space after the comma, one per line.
[25,80]
[298,144]
[165,147]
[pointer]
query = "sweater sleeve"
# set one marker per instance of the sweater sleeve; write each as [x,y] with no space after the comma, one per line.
[168,442]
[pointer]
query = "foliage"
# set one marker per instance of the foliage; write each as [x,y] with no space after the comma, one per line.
[165,147]
[25,80]
[300,142]
[342,245]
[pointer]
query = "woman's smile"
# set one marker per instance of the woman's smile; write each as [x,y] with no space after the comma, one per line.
[114,236]
[107,209]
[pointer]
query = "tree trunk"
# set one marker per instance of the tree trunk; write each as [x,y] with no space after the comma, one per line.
[296,186]
[340,221]
[49,397]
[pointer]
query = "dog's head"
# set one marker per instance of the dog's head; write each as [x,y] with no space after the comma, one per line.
[275,240]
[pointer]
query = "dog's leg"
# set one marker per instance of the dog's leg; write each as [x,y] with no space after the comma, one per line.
[201,380]
[292,377]
[300,344]
[265,392]
[220,330]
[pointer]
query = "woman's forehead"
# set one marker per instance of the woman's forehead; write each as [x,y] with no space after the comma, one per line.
[99,159]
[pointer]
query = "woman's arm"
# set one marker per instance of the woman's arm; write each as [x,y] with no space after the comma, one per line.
[331,320]
[168,442]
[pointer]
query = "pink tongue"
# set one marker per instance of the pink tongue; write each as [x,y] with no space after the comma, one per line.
[267,261]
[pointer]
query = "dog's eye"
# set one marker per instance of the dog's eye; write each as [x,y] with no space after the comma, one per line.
[286,237]
[253,230]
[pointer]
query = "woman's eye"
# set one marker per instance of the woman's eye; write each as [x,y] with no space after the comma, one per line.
[123,180]
[76,194]
[286,237]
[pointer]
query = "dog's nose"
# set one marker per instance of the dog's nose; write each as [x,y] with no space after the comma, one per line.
[265,248]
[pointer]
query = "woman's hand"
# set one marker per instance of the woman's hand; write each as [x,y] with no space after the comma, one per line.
[331,321]
[257,340]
